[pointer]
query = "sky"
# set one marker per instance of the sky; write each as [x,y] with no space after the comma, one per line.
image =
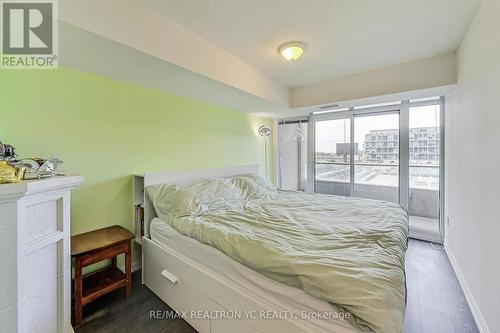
[330,132]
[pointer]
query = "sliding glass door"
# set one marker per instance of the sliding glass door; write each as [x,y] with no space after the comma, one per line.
[376,156]
[391,152]
[358,155]
[332,155]
[424,164]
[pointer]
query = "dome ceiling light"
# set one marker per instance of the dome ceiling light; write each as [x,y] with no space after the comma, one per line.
[292,51]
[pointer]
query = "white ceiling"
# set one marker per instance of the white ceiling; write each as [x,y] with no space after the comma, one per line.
[343,36]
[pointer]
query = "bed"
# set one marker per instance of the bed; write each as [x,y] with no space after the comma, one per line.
[218,291]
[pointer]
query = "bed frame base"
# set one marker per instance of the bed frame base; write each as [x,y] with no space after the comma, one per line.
[195,291]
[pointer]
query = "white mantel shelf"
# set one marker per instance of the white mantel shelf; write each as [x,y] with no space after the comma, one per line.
[39,185]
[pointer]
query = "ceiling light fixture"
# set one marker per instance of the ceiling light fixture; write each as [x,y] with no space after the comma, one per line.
[292,51]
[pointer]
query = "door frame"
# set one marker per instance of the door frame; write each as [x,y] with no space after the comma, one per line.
[311,145]
[351,114]
[403,109]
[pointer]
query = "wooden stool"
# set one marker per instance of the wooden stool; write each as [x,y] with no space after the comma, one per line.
[92,247]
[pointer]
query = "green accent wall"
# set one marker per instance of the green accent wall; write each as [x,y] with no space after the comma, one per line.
[107,131]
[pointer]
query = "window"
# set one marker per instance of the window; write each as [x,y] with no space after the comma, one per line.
[360,152]
[332,156]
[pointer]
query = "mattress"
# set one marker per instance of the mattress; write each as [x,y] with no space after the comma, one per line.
[280,296]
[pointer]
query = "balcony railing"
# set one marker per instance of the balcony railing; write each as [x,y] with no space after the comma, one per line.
[380,164]
[380,181]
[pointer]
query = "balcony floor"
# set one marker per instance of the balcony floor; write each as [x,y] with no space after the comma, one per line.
[424,228]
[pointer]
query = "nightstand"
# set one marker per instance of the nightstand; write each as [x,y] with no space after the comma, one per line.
[94,246]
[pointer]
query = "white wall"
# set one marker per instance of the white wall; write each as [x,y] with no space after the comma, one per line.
[426,73]
[473,167]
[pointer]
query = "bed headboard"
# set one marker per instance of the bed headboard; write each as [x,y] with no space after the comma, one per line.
[179,176]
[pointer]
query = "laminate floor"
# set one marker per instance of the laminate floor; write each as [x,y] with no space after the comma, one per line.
[435,301]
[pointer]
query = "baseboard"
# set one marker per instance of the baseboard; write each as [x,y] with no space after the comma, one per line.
[476,313]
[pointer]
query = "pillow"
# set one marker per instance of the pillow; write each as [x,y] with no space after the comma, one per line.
[253,186]
[193,197]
